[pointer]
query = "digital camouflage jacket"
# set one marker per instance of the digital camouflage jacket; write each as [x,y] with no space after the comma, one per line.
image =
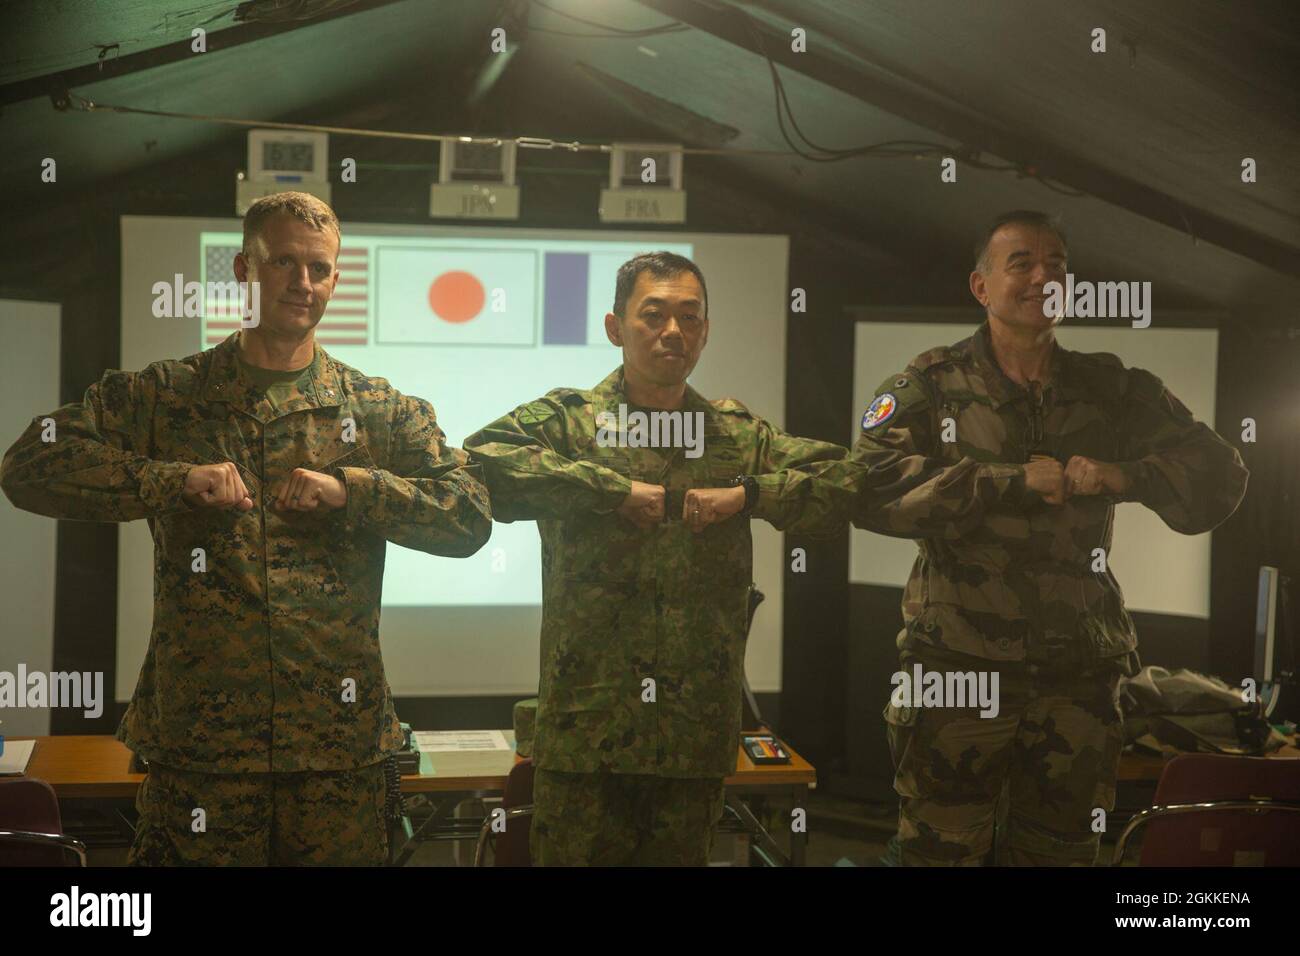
[264,653]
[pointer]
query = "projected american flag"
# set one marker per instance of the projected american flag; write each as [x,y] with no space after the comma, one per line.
[346,320]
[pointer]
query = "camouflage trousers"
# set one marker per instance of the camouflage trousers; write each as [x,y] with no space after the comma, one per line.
[615,819]
[1036,773]
[333,818]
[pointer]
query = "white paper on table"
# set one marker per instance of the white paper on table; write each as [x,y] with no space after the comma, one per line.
[14,760]
[448,741]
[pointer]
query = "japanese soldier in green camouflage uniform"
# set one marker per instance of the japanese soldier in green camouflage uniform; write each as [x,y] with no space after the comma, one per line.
[647,559]
[272,477]
[1004,456]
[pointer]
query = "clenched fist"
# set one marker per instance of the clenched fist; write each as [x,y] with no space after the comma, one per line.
[1047,477]
[311,491]
[1087,476]
[216,486]
[644,505]
[706,506]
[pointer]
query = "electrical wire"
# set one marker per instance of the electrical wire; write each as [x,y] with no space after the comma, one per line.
[676,26]
[912,148]
[587,36]
[72,101]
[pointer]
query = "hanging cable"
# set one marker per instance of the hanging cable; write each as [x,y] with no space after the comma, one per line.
[896,148]
[675,26]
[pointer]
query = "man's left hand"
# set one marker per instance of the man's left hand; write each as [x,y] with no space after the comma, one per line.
[311,491]
[1087,476]
[705,506]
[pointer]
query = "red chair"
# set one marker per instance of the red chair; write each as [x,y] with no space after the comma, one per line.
[511,846]
[31,830]
[1216,810]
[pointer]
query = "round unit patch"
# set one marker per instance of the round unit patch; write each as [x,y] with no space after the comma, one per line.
[881,410]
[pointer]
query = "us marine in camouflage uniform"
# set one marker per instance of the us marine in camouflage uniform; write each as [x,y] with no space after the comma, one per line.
[647,559]
[262,699]
[1004,456]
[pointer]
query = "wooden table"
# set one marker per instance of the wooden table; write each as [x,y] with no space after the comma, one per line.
[453,777]
[82,767]
[1147,768]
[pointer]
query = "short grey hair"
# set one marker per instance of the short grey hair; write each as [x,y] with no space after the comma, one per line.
[1020,217]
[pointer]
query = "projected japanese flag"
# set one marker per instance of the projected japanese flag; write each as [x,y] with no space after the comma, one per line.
[439,296]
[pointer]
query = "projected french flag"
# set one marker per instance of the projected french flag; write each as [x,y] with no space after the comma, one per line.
[565,306]
[483,296]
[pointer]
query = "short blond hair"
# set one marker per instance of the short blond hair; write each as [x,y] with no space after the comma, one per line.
[302,206]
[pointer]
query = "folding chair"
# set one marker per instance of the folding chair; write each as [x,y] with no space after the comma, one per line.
[511,846]
[1217,810]
[31,830]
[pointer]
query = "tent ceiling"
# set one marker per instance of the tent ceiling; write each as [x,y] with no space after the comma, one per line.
[1154,131]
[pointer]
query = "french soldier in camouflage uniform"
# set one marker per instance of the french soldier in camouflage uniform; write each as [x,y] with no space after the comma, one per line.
[1004,456]
[647,560]
[272,477]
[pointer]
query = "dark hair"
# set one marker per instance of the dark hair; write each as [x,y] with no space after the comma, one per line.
[661,265]
[1021,217]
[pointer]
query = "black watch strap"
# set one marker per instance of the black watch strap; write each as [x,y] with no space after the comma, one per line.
[751,491]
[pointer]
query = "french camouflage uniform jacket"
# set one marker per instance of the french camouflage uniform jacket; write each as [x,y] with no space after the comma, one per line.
[1001,574]
[620,604]
[247,661]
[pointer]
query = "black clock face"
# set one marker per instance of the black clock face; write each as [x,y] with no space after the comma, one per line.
[288,157]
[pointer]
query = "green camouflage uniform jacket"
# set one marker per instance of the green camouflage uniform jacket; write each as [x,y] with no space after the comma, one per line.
[247,661]
[1001,574]
[620,604]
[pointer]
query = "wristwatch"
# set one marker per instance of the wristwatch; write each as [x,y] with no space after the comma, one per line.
[751,492]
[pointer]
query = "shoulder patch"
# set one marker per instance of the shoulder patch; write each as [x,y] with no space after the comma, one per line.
[534,412]
[896,394]
[880,410]
[731,406]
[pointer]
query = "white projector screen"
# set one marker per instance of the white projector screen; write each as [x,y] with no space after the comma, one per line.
[470,626]
[29,386]
[1158,569]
